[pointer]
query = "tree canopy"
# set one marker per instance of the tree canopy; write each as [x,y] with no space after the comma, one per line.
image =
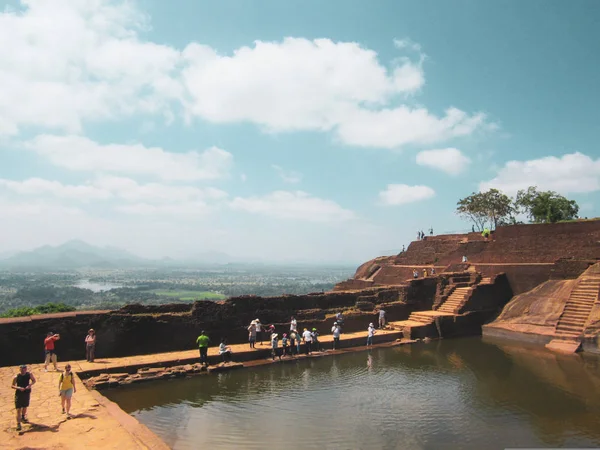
[482,208]
[545,206]
[495,208]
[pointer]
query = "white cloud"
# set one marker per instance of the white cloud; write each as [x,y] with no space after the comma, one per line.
[293,205]
[181,209]
[400,194]
[141,198]
[392,128]
[319,85]
[407,43]
[38,186]
[570,173]
[449,160]
[82,154]
[288,176]
[65,61]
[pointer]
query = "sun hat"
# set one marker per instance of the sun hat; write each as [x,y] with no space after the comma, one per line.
[23,366]
[371,324]
[284,335]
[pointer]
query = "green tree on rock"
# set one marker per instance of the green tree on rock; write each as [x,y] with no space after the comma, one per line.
[481,208]
[545,206]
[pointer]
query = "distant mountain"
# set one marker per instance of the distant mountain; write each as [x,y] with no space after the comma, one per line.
[74,254]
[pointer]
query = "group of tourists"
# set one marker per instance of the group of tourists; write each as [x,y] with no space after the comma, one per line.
[289,343]
[421,235]
[425,274]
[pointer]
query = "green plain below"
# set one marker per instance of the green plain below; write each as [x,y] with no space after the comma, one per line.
[189,295]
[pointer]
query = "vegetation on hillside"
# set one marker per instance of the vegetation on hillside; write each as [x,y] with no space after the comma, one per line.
[494,208]
[48,308]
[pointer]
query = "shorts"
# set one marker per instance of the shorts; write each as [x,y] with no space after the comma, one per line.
[252,338]
[22,399]
[67,393]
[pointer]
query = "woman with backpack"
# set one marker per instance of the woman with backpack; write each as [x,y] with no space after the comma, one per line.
[66,388]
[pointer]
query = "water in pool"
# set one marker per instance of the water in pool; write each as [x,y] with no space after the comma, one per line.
[454,393]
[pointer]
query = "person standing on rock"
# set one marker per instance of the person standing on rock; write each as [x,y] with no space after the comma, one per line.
[285,345]
[370,333]
[90,345]
[22,384]
[51,338]
[203,341]
[66,389]
[336,332]
[307,338]
[293,324]
[259,335]
[275,345]
[381,318]
[252,334]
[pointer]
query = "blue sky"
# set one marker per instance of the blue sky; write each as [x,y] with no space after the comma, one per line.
[317,131]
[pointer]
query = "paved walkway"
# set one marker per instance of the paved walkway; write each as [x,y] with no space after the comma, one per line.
[97,423]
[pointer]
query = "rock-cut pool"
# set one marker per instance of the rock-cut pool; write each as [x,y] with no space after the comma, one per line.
[454,393]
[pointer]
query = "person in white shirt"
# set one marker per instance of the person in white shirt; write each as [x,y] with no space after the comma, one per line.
[293,324]
[224,351]
[335,330]
[307,338]
[370,333]
[381,318]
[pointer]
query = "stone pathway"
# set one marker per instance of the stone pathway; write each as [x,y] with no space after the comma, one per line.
[98,423]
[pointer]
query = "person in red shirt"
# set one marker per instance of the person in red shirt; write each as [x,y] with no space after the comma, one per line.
[51,338]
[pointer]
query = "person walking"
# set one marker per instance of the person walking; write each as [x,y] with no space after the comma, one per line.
[370,333]
[203,341]
[66,389]
[307,338]
[381,318]
[50,351]
[259,335]
[225,351]
[336,332]
[90,345]
[252,334]
[22,384]
[424,273]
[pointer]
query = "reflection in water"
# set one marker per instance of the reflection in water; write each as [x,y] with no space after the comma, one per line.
[461,393]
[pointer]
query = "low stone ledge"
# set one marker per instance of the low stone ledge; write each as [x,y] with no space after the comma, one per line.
[143,375]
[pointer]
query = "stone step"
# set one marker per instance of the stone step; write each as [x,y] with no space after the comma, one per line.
[570,323]
[579,303]
[573,328]
[581,308]
[574,316]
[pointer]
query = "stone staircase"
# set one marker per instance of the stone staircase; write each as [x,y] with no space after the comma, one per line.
[577,309]
[455,301]
[486,280]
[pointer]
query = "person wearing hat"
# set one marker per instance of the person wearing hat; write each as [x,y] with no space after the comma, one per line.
[336,331]
[90,345]
[22,385]
[370,333]
[315,340]
[275,345]
[252,334]
[285,345]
